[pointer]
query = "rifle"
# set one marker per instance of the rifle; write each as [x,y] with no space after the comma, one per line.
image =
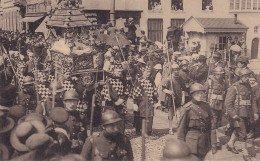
[93,105]
[211,58]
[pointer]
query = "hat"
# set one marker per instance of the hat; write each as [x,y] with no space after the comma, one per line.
[202,57]
[243,59]
[6,123]
[17,111]
[158,66]
[130,18]
[217,55]
[35,117]
[20,134]
[141,60]
[116,47]
[175,66]
[59,115]
[37,140]
[28,80]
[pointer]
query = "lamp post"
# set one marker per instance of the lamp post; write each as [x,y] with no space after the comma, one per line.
[112,13]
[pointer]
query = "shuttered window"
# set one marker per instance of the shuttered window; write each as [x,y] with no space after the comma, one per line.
[155,30]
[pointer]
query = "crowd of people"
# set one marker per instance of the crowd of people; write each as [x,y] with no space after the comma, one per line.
[45,114]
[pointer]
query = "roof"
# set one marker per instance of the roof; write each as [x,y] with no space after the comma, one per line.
[219,24]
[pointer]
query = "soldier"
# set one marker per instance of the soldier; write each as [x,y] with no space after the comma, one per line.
[216,61]
[185,78]
[242,63]
[144,96]
[241,110]
[199,73]
[75,122]
[110,144]
[216,90]
[173,90]
[177,150]
[196,127]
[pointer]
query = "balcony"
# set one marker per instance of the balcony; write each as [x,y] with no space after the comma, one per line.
[121,5]
[19,3]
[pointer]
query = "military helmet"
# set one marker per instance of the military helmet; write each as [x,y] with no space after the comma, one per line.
[58,85]
[196,87]
[70,95]
[218,70]
[110,117]
[177,150]
[28,80]
[243,59]
[175,66]
[244,71]
[184,62]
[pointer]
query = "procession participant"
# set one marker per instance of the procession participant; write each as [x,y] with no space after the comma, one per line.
[255,93]
[130,24]
[6,125]
[196,127]
[177,150]
[114,91]
[241,110]
[199,73]
[77,132]
[242,63]
[110,144]
[144,96]
[173,90]
[216,61]
[27,97]
[185,78]
[158,83]
[45,104]
[215,93]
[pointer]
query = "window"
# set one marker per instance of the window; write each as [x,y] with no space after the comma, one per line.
[177,5]
[243,5]
[154,5]
[232,4]
[237,4]
[222,42]
[207,5]
[255,5]
[246,5]
[256,29]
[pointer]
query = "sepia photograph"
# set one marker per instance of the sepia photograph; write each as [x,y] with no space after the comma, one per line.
[129,80]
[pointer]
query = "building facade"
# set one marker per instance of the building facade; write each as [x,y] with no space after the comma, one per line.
[12,13]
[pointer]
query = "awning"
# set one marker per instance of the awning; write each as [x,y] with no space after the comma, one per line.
[31,19]
[42,27]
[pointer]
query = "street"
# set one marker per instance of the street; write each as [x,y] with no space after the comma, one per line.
[155,144]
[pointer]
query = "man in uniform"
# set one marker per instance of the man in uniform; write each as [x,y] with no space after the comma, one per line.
[185,78]
[199,73]
[241,110]
[216,61]
[216,90]
[173,89]
[242,63]
[196,127]
[110,144]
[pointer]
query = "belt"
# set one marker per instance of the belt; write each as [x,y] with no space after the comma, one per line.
[216,97]
[243,102]
[201,129]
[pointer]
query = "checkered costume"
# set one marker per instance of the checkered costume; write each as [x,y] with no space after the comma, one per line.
[43,92]
[116,84]
[144,86]
[67,85]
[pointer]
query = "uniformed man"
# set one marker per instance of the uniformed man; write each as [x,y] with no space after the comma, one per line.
[199,72]
[216,61]
[185,78]
[242,63]
[241,110]
[173,90]
[110,144]
[177,150]
[216,90]
[196,127]
[75,122]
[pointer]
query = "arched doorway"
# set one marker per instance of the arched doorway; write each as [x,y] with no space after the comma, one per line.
[254,48]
